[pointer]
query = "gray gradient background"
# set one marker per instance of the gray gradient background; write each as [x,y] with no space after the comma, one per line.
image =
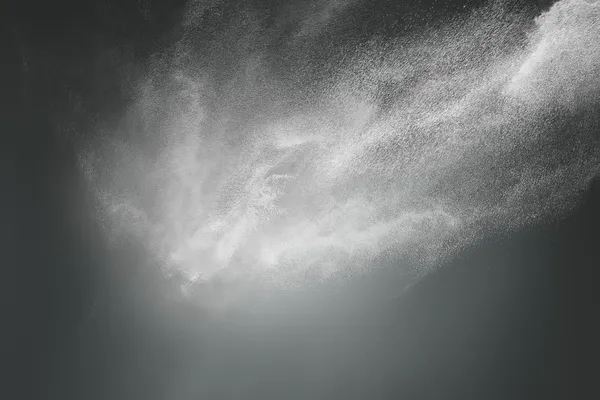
[507,312]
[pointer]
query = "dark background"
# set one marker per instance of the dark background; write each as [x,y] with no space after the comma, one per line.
[514,317]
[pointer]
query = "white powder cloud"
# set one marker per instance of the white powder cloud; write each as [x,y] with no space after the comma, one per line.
[411,145]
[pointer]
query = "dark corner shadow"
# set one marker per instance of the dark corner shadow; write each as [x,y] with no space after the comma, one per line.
[514,318]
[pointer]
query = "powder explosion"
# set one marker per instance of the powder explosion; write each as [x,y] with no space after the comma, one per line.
[247,158]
